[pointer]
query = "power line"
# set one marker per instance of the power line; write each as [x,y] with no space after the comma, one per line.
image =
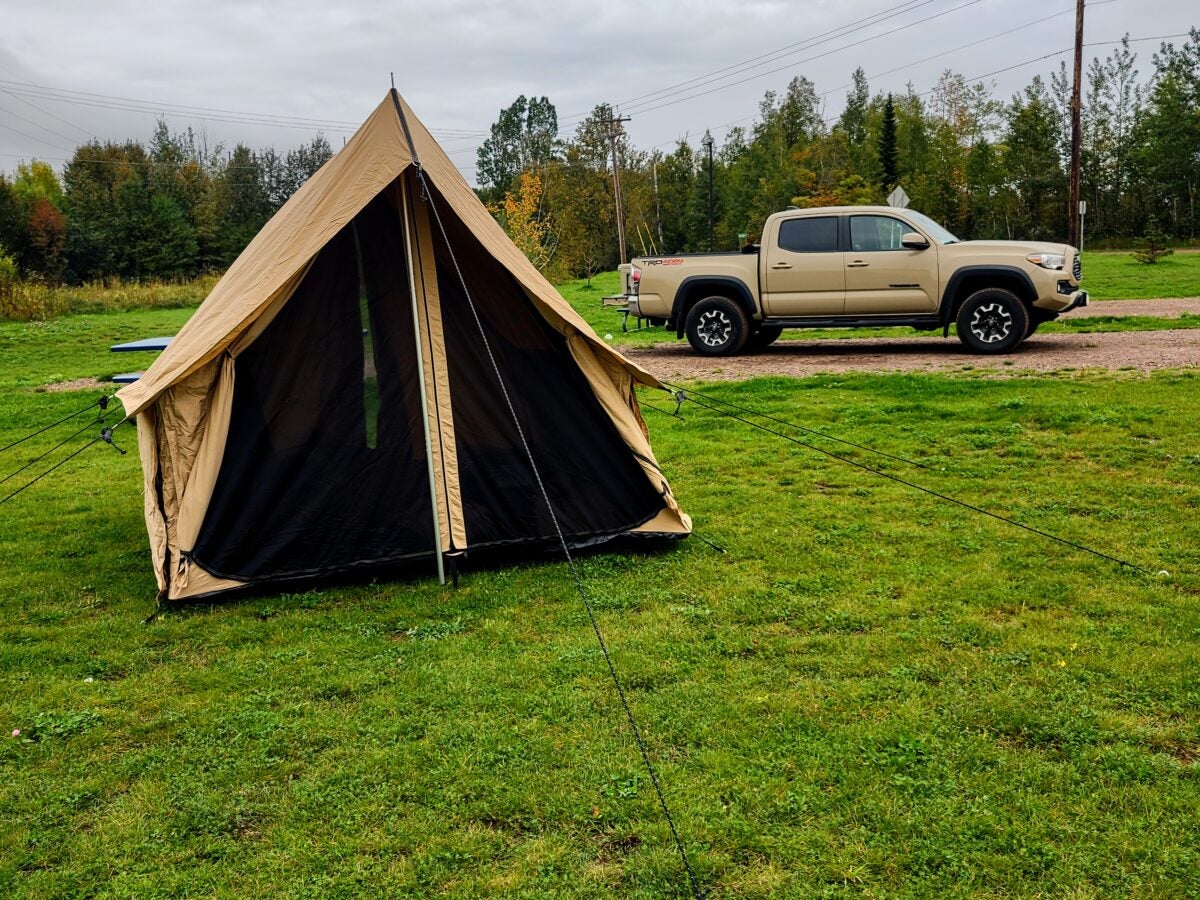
[641,108]
[771,56]
[39,140]
[970,79]
[29,121]
[177,110]
[135,104]
[46,112]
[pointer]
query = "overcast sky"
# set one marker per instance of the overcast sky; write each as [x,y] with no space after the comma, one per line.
[458,63]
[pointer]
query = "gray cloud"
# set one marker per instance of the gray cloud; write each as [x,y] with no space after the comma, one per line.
[458,63]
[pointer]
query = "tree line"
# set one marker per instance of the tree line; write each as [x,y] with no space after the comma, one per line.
[986,168]
[169,209]
[982,166]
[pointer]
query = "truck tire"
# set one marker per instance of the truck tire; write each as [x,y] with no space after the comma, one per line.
[763,338]
[992,320]
[1038,317]
[717,326]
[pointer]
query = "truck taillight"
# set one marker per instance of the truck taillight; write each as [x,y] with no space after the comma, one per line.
[635,279]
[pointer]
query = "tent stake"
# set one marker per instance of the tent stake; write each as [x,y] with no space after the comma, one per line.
[412,288]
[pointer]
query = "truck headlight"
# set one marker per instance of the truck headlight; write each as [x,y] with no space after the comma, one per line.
[1048,260]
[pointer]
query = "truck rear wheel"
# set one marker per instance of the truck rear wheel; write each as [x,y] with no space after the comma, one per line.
[717,326]
[992,320]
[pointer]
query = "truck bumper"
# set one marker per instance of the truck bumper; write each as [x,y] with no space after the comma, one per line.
[1062,301]
[1080,299]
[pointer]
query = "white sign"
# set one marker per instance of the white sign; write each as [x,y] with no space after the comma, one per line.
[1082,207]
[898,198]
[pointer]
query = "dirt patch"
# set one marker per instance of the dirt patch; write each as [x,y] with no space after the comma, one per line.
[77,384]
[1143,351]
[1166,309]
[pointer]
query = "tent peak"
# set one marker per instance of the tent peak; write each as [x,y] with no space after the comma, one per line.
[412,148]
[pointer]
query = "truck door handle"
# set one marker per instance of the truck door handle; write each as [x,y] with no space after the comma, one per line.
[857,265]
[781,265]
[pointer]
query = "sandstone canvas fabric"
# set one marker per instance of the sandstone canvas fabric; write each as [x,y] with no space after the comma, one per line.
[281,432]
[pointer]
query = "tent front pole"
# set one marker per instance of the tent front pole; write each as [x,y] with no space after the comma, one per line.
[417,332]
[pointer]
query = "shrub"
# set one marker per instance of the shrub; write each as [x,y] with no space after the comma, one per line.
[1153,246]
[33,300]
[8,277]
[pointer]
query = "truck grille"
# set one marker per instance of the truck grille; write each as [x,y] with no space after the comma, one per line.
[1077,268]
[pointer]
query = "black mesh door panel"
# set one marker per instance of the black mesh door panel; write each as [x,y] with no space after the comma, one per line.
[593,480]
[324,467]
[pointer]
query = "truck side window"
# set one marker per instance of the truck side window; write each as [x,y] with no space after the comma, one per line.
[812,235]
[870,233]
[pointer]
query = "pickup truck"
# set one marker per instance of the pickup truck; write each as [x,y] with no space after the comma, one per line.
[857,266]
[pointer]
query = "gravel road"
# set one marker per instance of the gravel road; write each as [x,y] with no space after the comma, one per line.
[1140,350]
[1167,309]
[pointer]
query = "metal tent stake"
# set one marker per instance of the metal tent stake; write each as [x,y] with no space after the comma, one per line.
[412,288]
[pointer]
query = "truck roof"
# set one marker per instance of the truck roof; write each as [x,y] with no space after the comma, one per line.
[838,209]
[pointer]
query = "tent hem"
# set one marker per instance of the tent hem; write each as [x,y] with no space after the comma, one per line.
[576,540]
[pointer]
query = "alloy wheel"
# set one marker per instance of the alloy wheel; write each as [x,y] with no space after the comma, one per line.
[714,328]
[991,323]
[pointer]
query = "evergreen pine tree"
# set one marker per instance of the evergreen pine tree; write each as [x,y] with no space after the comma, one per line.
[887,147]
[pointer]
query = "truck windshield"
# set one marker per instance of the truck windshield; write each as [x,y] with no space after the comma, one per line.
[932,228]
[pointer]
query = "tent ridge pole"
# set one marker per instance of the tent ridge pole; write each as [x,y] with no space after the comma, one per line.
[412,148]
[412,289]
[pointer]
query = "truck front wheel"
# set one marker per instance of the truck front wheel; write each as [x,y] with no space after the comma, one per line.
[716,326]
[992,320]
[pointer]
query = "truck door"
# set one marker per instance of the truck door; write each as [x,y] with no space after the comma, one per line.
[882,275]
[804,274]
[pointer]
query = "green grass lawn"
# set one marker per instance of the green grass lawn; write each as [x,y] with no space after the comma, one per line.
[1118,276]
[871,693]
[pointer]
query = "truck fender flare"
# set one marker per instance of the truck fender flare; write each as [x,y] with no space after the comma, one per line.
[733,288]
[1005,273]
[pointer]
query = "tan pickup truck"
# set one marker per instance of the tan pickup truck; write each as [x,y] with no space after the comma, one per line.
[857,266]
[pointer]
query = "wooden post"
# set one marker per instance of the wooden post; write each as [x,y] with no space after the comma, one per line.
[1073,203]
[613,124]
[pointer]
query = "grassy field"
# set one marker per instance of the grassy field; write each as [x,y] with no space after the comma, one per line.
[872,693]
[1118,276]
[1107,276]
[30,301]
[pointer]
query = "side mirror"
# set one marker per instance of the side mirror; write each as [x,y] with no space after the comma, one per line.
[914,241]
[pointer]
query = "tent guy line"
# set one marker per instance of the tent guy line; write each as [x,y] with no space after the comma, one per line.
[693,396]
[105,435]
[61,443]
[829,437]
[427,198]
[102,403]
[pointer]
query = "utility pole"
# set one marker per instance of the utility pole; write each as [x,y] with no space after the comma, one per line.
[657,206]
[614,130]
[707,141]
[1073,204]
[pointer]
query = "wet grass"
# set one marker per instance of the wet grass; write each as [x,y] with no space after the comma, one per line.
[872,692]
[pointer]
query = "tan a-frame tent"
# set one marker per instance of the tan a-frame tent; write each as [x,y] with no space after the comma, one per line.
[333,404]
